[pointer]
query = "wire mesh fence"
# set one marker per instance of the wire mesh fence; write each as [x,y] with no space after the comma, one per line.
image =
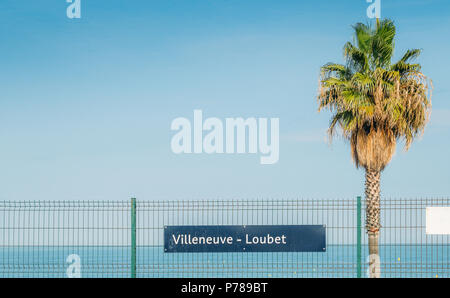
[115,239]
[38,238]
[406,249]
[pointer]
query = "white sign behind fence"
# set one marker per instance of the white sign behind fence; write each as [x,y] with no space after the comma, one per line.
[438,220]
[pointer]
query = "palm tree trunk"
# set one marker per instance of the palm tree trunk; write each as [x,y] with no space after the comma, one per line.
[373,220]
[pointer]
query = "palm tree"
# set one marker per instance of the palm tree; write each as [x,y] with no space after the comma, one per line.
[375,104]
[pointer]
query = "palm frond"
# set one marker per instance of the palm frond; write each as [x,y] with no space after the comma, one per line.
[374,103]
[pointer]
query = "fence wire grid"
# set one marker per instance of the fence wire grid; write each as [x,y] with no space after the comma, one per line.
[113,239]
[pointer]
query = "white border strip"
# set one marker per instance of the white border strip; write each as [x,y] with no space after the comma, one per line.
[438,220]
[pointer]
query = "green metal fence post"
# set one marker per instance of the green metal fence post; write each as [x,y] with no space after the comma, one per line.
[133,238]
[358,237]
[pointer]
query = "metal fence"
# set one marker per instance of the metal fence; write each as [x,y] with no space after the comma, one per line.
[125,239]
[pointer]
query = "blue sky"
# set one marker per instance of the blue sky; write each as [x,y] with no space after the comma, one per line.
[86,105]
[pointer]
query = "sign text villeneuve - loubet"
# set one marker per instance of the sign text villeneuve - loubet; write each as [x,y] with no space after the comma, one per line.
[291,238]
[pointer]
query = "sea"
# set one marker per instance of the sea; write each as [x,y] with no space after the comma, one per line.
[403,261]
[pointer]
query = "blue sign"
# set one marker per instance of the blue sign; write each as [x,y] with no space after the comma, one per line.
[304,238]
